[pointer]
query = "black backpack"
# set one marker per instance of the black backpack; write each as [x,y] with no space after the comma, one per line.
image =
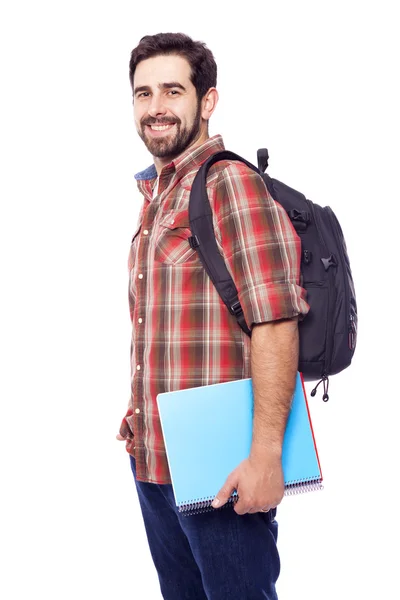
[328,333]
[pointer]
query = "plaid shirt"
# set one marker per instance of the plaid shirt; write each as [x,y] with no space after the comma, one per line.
[182,333]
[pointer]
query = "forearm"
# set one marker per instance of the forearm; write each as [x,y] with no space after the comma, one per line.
[274,363]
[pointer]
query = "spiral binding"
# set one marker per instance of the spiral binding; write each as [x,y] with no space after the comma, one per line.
[301,487]
[203,505]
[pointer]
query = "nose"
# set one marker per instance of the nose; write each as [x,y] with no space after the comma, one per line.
[156,108]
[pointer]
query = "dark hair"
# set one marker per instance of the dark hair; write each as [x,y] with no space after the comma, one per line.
[200,58]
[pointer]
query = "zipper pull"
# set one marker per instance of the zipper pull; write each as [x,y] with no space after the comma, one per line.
[325,382]
[352,333]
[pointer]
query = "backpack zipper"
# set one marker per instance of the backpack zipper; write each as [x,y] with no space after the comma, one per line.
[316,220]
[352,332]
[329,347]
[351,326]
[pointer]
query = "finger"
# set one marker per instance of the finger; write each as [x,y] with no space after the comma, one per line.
[119,437]
[251,510]
[244,504]
[225,492]
[242,509]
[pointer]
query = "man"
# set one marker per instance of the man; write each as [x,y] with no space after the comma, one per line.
[183,336]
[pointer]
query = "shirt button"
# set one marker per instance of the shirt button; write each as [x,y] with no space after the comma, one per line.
[140,275]
[146,232]
[137,411]
[138,367]
[140,320]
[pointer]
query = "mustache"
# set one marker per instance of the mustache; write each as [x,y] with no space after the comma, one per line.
[152,121]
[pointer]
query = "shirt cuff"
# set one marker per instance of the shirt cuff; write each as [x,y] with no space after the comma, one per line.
[273,301]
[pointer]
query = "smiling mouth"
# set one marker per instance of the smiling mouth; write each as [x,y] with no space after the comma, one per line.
[161,127]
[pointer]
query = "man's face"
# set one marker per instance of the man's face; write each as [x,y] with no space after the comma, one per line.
[166,109]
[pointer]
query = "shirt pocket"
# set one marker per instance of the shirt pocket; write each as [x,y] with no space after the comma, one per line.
[172,245]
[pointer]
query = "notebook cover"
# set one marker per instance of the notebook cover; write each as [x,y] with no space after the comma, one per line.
[208,430]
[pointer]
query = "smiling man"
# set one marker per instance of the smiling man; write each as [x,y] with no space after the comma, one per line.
[166,135]
[168,112]
[183,336]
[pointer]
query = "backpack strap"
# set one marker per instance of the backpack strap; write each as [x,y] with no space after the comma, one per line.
[203,236]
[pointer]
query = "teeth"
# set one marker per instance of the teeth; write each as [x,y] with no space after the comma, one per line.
[160,127]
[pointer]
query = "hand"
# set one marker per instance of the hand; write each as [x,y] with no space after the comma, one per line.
[259,483]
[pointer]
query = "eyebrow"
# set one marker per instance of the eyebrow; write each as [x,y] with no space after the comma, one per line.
[162,86]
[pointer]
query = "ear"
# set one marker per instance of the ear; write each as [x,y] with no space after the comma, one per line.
[208,103]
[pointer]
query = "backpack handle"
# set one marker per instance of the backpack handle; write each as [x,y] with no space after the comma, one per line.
[262,159]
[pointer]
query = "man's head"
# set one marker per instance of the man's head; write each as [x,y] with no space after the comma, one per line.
[173,82]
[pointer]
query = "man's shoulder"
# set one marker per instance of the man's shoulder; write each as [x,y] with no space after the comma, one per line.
[231,170]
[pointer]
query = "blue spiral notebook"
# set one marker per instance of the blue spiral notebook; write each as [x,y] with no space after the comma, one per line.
[208,431]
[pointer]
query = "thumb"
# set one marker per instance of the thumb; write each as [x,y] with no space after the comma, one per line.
[119,437]
[226,491]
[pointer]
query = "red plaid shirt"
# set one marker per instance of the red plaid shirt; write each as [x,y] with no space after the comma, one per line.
[182,333]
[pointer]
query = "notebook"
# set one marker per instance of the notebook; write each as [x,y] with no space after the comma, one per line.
[208,430]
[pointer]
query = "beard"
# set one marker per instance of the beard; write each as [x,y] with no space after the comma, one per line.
[171,146]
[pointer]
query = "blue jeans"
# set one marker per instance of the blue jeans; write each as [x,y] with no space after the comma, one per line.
[217,555]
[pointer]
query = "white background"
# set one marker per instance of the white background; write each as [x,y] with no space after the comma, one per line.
[315,82]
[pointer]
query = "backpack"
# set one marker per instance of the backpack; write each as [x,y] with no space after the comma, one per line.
[328,333]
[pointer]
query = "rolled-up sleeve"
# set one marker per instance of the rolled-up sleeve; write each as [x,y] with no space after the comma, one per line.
[261,248]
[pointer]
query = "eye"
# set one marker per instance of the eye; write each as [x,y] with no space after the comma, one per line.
[142,94]
[173,92]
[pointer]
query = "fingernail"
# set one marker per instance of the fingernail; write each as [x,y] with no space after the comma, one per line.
[215,503]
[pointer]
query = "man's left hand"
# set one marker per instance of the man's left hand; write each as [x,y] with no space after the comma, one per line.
[258,481]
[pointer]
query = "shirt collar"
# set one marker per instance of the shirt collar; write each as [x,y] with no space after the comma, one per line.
[189,160]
